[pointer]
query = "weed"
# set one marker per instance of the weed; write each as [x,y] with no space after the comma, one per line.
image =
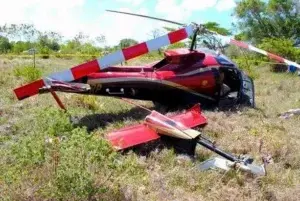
[29,73]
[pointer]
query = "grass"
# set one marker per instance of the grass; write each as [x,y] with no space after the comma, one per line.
[78,164]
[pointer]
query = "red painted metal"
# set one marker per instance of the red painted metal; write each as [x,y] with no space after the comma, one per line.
[191,118]
[132,136]
[85,69]
[128,69]
[57,99]
[119,75]
[210,61]
[180,51]
[239,43]
[276,57]
[177,35]
[29,89]
[140,134]
[134,51]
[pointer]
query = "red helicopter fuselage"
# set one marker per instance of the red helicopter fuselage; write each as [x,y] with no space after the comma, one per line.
[183,76]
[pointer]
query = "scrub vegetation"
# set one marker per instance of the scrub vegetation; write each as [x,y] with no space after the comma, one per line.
[47,154]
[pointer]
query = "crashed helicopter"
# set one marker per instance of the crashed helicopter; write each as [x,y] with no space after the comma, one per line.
[183,77]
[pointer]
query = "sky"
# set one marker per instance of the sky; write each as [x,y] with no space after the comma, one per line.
[69,17]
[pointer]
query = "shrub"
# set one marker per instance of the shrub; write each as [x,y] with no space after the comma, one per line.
[88,102]
[63,56]
[29,73]
[249,65]
[45,53]
[282,47]
[79,156]
[72,167]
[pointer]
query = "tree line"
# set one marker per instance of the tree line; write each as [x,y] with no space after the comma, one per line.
[19,38]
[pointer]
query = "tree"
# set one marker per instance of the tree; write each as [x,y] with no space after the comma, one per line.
[154,34]
[169,29]
[127,42]
[5,46]
[210,40]
[207,39]
[21,46]
[28,32]
[258,19]
[177,45]
[100,39]
[81,38]
[49,40]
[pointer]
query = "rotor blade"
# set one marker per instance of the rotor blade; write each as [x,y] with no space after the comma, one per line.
[96,65]
[258,50]
[145,16]
[261,51]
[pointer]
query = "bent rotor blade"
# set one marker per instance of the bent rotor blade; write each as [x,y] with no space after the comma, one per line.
[145,16]
[258,50]
[261,51]
[114,58]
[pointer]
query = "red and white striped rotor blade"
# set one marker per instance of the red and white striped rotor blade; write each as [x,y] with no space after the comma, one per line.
[268,54]
[106,61]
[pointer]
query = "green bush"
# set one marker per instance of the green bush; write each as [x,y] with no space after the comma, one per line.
[248,65]
[177,45]
[63,56]
[44,52]
[69,166]
[29,73]
[79,156]
[281,47]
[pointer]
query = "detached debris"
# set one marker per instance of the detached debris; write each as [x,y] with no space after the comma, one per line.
[178,131]
[290,113]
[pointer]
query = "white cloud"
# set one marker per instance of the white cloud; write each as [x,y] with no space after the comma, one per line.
[181,10]
[56,15]
[191,5]
[224,5]
[172,10]
[66,17]
[132,2]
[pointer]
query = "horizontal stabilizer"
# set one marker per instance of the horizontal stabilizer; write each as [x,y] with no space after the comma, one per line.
[29,89]
[191,118]
[142,133]
[132,136]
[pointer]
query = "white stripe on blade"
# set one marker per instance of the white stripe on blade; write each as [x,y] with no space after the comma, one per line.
[111,59]
[65,76]
[257,50]
[157,43]
[292,63]
[189,30]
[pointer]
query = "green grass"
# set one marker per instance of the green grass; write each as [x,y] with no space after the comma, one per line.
[79,164]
